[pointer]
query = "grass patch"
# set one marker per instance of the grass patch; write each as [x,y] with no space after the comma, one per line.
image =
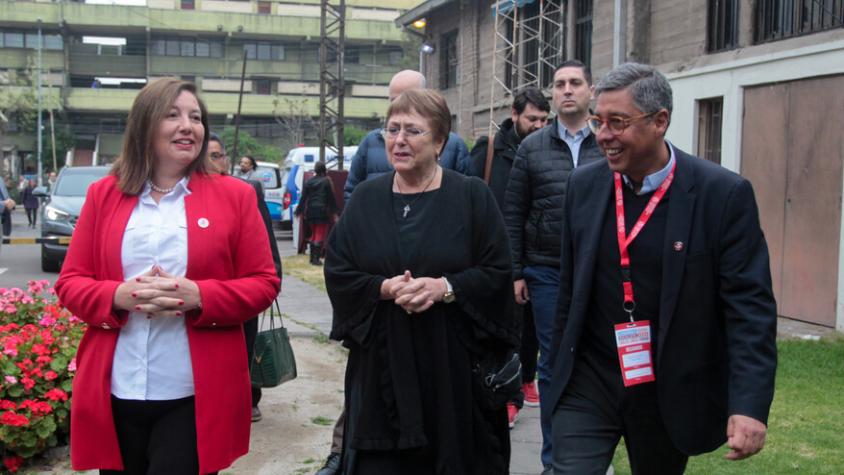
[806,425]
[322,421]
[299,267]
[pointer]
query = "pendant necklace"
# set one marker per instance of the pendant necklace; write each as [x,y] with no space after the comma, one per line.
[159,189]
[406,208]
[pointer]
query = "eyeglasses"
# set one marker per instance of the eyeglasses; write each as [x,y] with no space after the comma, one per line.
[616,124]
[216,156]
[409,132]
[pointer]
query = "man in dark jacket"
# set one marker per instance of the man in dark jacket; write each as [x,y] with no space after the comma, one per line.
[370,160]
[533,209]
[528,114]
[218,162]
[666,325]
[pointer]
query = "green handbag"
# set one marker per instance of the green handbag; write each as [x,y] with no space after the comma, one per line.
[273,362]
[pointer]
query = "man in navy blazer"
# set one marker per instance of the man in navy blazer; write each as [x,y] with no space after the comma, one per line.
[695,285]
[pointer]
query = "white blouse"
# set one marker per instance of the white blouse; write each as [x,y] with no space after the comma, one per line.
[152,358]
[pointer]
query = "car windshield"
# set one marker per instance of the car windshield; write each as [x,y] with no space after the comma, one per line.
[76,184]
[268,176]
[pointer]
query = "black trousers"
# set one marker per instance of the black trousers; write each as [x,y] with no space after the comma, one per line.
[529,345]
[591,417]
[156,437]
[250,331]
[32,216]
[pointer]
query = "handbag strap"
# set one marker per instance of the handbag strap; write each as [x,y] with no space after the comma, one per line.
[490,149]
[273,308]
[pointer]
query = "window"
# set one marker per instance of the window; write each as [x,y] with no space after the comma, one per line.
[32,40]
[216,49]
[395,57]
[12,40]
[187,48]
[448,60]
[53,42]
[158,47]
[583,31]
[187,4]
[251,50]
[722,29]
[203,49]
[778,19]
[278,52]
[263,86]
[264,51]
[264,7]
[352,56]
[709,128]
[173,47]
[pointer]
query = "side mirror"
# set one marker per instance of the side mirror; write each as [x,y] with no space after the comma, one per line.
[41,192]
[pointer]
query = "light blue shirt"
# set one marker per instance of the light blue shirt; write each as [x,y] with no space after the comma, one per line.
[573,141]
[652,181]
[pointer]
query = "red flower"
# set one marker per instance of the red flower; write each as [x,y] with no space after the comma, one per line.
[13,463]
[28,383]
[9,418]
[56,394]
[7,405]
[51,375]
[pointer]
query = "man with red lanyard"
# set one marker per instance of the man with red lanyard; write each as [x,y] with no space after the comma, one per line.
[666,321]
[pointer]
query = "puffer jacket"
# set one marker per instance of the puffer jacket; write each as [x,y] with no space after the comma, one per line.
[533,202]
[371,160]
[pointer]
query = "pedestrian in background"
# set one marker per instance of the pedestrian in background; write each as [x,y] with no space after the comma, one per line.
[218,162]
[165,265]
[493,162]
[30,203]
[8,205]
[418,272]
[247,168]
[320,210]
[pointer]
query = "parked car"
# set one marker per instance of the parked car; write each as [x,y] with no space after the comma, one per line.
[61,210]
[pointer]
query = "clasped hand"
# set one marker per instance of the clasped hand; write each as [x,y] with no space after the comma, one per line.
[157,294]
[414,295]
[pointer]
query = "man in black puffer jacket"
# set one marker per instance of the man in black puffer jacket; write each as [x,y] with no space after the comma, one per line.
[533,210]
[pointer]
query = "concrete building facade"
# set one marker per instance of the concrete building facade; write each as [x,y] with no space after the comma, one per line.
[96,55]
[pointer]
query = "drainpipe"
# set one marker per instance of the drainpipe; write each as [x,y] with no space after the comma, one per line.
[619,32]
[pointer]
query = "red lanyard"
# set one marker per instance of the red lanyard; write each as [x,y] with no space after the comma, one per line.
[625,240]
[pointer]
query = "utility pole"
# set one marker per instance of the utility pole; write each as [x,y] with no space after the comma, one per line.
[332,87]
[53,139]
[39,126]
[237,117]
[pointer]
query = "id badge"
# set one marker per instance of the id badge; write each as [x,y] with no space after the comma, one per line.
[633,340]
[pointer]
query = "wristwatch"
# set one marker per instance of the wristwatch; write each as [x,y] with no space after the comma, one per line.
[448,296]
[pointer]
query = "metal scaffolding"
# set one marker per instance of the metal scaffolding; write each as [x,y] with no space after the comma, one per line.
[332,26]
[529,42]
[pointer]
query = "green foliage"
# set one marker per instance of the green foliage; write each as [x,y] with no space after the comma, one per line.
[39,339]
[353,135]
[247,145]
[806,424]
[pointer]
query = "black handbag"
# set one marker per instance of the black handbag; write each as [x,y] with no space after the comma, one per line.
[497,379]
[273,362]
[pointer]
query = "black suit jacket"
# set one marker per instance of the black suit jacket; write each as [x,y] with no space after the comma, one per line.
[268,223]
[717,318]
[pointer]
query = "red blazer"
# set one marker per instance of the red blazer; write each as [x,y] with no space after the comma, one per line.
[230,261]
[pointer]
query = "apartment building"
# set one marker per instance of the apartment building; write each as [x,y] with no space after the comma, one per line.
[757,88]
[96,54]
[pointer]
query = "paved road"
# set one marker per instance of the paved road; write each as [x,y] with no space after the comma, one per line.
[21,263]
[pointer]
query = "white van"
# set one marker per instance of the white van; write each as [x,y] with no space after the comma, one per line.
[306,157]
[269,174]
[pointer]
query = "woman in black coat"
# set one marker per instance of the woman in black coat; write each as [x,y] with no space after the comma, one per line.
[320,208]
[30,203]
[419,275]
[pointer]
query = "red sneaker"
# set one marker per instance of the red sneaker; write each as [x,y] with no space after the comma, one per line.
[512,414]
[531,396]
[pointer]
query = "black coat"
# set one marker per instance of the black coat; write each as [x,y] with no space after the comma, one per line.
[504,147]
[408,380]
[268,224]
[533,203]
[716,348]
[317,201]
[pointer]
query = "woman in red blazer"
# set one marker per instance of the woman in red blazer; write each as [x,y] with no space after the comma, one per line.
[166,263]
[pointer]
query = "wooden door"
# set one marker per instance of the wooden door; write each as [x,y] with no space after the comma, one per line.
[792,153]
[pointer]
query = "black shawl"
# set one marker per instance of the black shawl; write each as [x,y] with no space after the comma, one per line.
[408,383]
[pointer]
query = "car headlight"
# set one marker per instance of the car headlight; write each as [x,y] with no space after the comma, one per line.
[54,214]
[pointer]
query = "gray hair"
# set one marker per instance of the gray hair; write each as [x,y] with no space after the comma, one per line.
[648,87]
